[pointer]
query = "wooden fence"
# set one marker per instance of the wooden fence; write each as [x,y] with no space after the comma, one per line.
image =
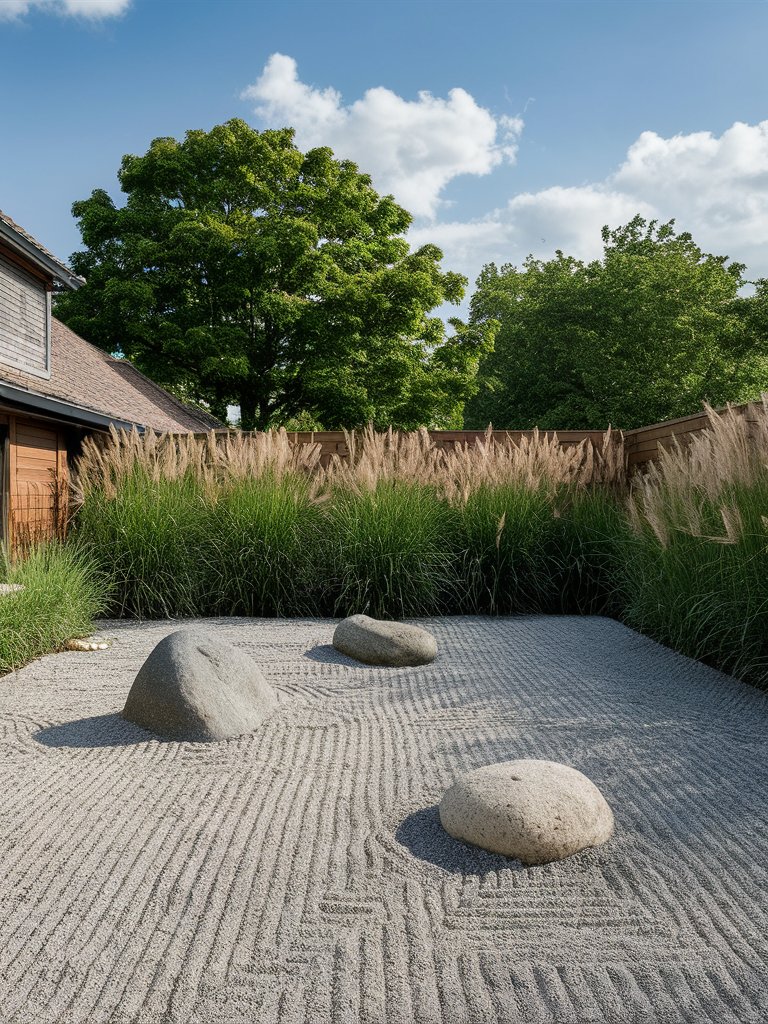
[641,445]
[332,442]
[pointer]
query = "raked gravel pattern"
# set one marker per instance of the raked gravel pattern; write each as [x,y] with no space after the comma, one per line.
[300,874]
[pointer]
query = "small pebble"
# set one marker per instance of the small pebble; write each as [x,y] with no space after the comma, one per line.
[86,645]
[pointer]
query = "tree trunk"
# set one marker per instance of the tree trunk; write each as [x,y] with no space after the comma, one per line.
[248,412]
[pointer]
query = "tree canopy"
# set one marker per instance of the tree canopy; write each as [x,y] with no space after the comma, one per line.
[241,271]
[644,334]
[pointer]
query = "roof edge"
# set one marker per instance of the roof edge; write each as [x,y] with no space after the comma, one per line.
[34,252]
[68,410]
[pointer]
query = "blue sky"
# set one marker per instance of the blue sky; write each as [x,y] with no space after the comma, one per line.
[507,128]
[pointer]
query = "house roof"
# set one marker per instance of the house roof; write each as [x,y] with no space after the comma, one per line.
[14,235]
[94,384]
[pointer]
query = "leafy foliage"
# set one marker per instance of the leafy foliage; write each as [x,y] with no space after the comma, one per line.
[241,271]
[645,334]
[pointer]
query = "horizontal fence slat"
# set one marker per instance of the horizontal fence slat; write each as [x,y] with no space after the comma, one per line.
[36,434]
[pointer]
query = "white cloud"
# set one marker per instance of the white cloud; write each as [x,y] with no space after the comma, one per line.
[714,187]
[411,148]
[13,8]
[93,9]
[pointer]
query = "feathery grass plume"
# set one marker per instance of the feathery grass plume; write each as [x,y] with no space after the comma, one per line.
[373,457]
[534,461]
[255,524]
[696,563]
[107,462]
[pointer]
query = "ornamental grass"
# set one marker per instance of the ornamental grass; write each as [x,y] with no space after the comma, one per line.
[257,525]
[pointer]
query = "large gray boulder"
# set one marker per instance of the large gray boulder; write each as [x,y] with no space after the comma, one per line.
[193,687]
[377,642]
[534,811]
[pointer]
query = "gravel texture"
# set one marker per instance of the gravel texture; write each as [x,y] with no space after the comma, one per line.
[300,874]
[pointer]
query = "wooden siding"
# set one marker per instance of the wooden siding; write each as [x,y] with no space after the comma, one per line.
[4,477]
[37,481]
[25,320]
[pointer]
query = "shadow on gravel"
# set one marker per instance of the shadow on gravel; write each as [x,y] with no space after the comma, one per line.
[422,835]
[328,654]
[99,731]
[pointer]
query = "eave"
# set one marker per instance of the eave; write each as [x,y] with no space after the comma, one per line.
[38,257]
[31,401]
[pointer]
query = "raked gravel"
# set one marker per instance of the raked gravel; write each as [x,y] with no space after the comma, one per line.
[300,874]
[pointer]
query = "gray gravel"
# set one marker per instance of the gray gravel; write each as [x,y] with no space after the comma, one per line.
[301,875]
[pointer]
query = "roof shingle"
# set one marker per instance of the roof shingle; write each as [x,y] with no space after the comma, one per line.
[91,379]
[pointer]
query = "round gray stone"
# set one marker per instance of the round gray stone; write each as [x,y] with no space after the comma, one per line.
[378,642]
[194,687]
[534,811]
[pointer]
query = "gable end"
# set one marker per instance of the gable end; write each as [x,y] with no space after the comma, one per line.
[25,319]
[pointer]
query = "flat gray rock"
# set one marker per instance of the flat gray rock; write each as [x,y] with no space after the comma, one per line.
[10,588]
[534,811]
[194,687]
[378,642]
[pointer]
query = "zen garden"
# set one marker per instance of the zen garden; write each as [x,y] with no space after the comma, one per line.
[362,664]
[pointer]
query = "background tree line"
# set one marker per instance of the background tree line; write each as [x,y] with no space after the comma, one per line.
[241,271]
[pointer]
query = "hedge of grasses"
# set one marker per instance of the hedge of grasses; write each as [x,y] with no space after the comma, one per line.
[257,526]
[696,565]
[62,594]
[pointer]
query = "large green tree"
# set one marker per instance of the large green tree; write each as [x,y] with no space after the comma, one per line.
[242,271]
[644,334]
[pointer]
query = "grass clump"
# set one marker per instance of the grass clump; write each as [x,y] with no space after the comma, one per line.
[257,551]
[386,551]
[526,535]
[696,562]
[62,594]
[187,527]
[146,537]
[509,535]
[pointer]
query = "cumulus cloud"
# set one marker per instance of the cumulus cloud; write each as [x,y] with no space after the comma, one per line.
[714,187]
[411,148]
[93,9]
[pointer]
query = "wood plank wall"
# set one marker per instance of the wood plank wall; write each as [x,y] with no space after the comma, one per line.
[642,444]
[37,476]
[333,442]
[25,320]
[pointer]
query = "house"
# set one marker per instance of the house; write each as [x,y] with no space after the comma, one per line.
[55,389]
